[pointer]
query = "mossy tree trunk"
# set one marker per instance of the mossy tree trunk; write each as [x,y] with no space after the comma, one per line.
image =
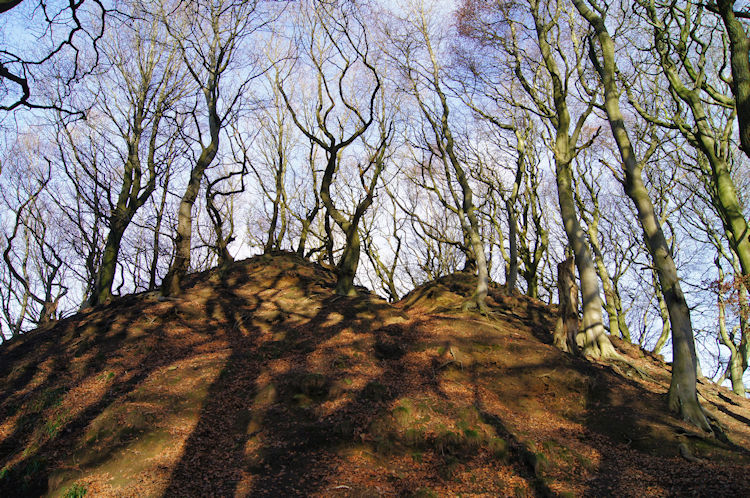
[596,342]
[737,366]
[347,266]
[735,290]
[683,398]
[739,46]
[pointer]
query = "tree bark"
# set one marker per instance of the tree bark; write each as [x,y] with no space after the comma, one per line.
[596,342]
[567,326]
[106,274]
[347,267]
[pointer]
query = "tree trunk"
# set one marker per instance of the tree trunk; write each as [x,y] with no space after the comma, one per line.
[306,229]
[735,368]
[683,397]
[470,260]
[172,285]
[567,326]
[157,233]
[511,277]
[467,215]
[479,299]
[106,274]
[596,342]
[271,241]
[531,256]
[221,247]
[128,203]
[347,267]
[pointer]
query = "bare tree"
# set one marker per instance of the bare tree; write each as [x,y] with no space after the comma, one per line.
[385,264]
[149,84]
[549,86]
[210,42]
[527,235]
[31,279]
[86,198]
[589,209]
[310,214]
[703,111]
[425,77]
[272,161]
[683,397]
[341,116]
[739,47]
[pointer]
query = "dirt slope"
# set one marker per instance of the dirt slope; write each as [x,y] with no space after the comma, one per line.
[260,382]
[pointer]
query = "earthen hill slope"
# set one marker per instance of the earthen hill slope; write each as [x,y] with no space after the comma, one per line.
[259,381]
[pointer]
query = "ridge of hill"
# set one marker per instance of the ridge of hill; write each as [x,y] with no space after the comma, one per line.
[260,381]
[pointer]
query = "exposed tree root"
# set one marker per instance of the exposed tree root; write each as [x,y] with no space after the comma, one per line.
[644,375]
[476,303]
[687,454]
[690,412]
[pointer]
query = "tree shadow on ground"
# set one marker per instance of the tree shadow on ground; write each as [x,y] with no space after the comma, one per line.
[220,431]
[644,439]
[238,414]
[527,462]
[59,360]
[305,442]
[306,375]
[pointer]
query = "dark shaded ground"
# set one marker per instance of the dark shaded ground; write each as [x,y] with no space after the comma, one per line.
[260,382]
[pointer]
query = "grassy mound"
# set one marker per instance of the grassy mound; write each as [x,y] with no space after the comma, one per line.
[259,381]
